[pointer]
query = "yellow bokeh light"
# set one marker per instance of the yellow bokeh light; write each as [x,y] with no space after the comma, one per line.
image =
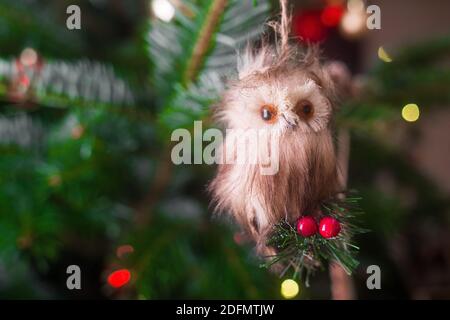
[411,112]
[289,288]
[383,55]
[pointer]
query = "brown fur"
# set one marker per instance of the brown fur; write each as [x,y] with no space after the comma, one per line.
[279,75]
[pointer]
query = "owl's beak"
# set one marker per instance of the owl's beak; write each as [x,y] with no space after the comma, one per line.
[291,123]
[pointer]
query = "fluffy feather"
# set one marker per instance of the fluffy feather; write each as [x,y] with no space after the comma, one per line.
[291,81]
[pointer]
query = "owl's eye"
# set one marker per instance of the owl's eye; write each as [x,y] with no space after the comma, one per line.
[304,109]
[268,113]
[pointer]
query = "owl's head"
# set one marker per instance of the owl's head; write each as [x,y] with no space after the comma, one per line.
[288,92]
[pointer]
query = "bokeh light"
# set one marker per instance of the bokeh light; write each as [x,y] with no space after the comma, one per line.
[54,180]
[123,250]
[355,5]
[28,57]
[383,55]
[331,15]
[307,26]
[411,112]
[163,9]
[77,132]
[289,289]
[119,278]
[353,23]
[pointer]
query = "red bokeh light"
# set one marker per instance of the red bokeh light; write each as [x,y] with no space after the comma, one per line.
[119,278]
[308,26]
[123,250]
[331,16]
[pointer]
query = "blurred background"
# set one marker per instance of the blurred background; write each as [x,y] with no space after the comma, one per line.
[85,122]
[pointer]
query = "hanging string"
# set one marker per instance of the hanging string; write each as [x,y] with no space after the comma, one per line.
[285,26]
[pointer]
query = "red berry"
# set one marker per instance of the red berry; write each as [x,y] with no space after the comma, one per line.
[329,227]
[306,226]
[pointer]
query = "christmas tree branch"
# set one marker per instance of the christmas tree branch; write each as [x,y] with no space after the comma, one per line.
[163,174]
[200,50]
[203,42]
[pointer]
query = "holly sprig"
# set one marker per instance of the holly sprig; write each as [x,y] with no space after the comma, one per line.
[305,255]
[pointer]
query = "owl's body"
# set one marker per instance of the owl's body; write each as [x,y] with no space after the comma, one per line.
[299,94]
[289,95]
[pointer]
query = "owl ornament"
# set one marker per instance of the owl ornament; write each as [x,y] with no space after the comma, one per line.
[285,194]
